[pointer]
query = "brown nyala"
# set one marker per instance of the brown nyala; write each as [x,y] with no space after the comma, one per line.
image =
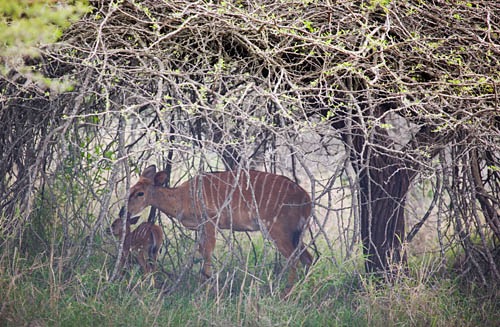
[143,241]
[237,200]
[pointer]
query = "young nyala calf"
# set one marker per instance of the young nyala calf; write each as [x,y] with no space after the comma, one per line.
[145,239]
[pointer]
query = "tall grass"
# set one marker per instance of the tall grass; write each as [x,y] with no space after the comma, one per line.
[39,292]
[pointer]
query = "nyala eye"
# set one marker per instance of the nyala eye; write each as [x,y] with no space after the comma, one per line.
[140,193]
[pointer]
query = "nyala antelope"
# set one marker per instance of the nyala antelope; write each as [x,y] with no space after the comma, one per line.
[143,241]
[234,200]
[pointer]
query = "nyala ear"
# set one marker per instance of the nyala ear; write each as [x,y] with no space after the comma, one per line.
[133,220]
[149,172]
[160,178]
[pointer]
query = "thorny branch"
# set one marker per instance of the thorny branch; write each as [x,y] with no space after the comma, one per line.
[208,85]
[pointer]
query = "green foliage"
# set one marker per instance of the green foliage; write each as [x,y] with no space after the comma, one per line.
[27,25]
[24,25]
[37,233]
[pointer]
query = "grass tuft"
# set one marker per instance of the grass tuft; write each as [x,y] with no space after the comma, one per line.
[39,292]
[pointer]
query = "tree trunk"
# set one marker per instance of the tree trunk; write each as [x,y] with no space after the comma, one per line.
[383,183]
[384,179]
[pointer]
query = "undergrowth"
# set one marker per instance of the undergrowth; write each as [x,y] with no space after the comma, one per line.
[37,292]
